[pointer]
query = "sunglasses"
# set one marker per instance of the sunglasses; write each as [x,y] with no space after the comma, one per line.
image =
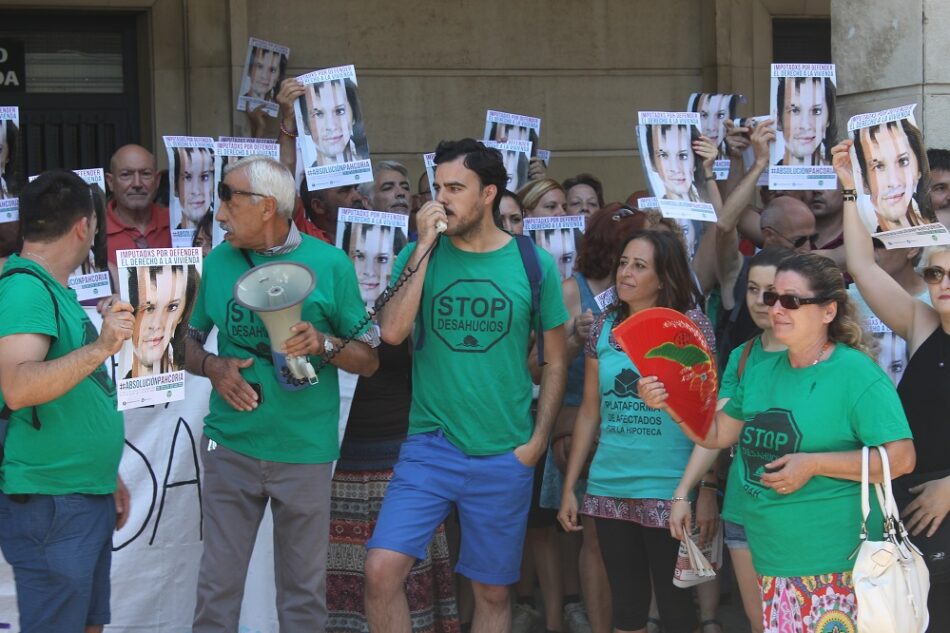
[624,212]
[934,274]
[791,302]
[798,242]
[225,192]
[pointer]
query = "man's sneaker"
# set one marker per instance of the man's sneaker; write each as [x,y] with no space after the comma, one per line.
[575,618]
[524,619]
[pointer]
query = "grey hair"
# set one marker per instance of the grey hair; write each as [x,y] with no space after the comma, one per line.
[366,189]
[391,165]
[930,252]
[269,177]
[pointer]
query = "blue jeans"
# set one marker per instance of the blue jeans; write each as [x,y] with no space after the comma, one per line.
[60,548]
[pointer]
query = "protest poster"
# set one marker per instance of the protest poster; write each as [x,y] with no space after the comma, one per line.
[191,185]
[504,127]
[674,173]
[429,161]
[802,104]
[372,240]
[228,150]
[332,139]
[560,236]
[545,156]
[9,152]
[264,69]
[515,155]
[9,210]
[162,286]
[748,154]
[714,110]
[892,179]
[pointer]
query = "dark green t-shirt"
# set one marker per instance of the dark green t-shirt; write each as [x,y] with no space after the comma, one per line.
[841,404]
[79,443]
[287,426]
[471,376]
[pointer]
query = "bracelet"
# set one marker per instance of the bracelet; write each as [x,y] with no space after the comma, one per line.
[285,132]
[708,178]
[675,499]
[708,485]
[849,195]
[203,361]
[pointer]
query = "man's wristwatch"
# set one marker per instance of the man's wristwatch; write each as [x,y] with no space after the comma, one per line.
[328,347]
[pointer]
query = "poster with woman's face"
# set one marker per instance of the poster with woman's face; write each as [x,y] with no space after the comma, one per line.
[504,127]
[714,110]
[515,155]
[332,139]
[229,150]
[891,177]
[803,106]
[264,69]
[560,236]
[9,152]
[162,285]
[674,173]
[372,240]
[191,185]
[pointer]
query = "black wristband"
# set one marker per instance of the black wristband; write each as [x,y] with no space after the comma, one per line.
[203,361]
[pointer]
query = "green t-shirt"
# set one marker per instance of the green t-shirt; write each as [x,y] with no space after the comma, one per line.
[470,378]
[841,404]
[79,443]
[287,426]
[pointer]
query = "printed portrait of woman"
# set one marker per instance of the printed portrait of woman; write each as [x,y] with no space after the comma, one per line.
[194,184]
[670,148]
[806,107]
[714,110]
[372,249]
[9,165]
[896,174]
[163,297]
[562,245]
[333,120]
[516,164]
[265,70]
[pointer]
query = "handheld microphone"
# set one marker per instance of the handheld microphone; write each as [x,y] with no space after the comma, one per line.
[440,226]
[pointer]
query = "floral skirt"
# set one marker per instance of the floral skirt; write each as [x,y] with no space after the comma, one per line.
[355,499]
[809,604]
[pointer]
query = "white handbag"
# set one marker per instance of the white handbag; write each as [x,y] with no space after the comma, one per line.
[891,580]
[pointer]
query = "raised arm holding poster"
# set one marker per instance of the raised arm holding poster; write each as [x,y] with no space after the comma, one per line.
[504,127]
[372,240]
[162,285]
[674,174]
[332,139]
[803,106]
[560,236]
[191,185]
[227,150]
[714,110]
[892,178]
[264,69]
[516,155]
[9,151]
[748,154]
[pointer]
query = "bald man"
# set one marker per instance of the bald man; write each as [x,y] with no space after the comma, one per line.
[133,220]
[789,223]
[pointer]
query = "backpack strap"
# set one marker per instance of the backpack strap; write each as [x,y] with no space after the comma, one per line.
[744,357]
[532,266]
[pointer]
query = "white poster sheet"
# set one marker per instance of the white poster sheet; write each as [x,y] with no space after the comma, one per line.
[162,286]
[802,104]
[889,164]
[515,155]
[191,185]
[264,68]
[560,236]
[504,127]
[372,240]
[9,151]
[714,110]
[330,123]
[673,171]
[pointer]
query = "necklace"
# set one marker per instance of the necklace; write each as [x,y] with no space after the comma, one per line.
[821,352]
[36,256]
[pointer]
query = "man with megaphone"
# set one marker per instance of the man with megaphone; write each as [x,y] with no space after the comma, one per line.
[271,432]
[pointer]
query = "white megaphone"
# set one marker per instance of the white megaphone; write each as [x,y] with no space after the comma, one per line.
[275,292]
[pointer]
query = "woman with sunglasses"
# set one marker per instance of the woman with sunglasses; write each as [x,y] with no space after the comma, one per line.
[925,386]
[800,419]
[640,457]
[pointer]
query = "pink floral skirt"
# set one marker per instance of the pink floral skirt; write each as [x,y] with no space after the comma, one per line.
[809,604]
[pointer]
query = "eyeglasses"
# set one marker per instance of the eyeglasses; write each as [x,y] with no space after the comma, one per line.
[225,192]
[798,242]
[934,274]
[791,302]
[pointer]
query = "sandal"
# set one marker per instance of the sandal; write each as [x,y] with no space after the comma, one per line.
[711,622]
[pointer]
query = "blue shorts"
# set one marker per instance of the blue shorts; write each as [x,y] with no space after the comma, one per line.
[734,535]
[492,494]
[60,548]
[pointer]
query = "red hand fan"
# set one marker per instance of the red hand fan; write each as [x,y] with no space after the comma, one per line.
[665,343]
